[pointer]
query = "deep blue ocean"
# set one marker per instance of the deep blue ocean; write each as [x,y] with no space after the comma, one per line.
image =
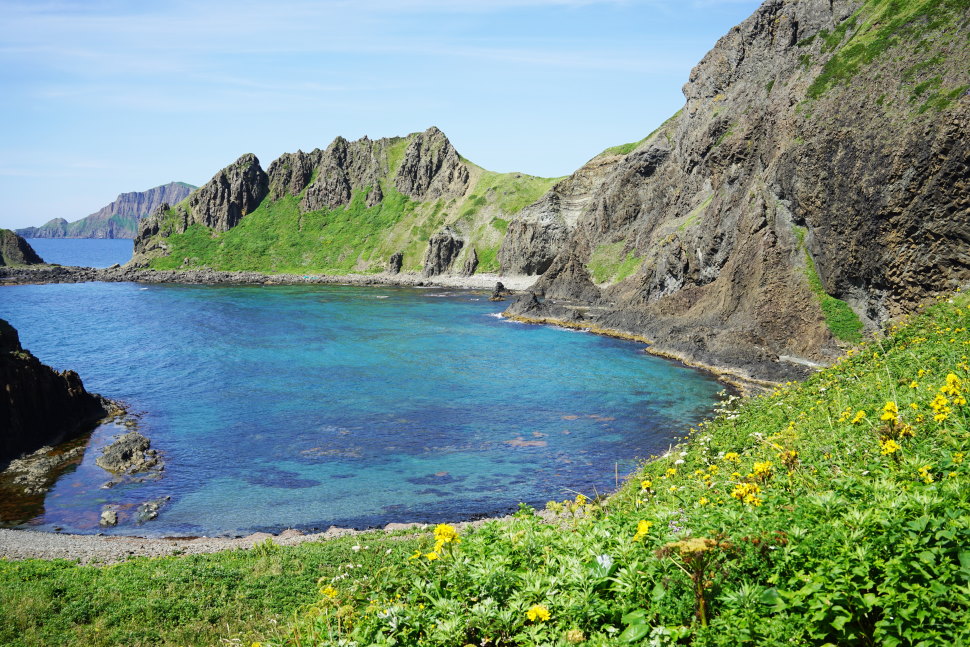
[312,406]
[86,252]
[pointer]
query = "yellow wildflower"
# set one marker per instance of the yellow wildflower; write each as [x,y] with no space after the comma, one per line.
[703,500]
[446,534]
[789,459]
[734,457]
[416,555]
[329,592]
[747,493]
[958,457]
[953,386]
[581,499]
[538,613]
[924,473]
[859,416]
[643,527]
[646,484]
[670,472]
[762,470]
[914,384]
[431,556]
[890,412]
[890,446]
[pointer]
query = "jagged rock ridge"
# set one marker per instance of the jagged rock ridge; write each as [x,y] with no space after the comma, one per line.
[116,220]
[410,184]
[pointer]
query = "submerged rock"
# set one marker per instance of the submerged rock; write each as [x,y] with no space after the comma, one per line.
[149,509]
[130,453]
[109,517]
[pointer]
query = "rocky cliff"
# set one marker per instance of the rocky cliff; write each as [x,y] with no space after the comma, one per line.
[409,203]
[14,250]
[814,185]
[116,220]
[815,182]
[38,405]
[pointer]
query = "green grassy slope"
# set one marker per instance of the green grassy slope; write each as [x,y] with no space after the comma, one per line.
[276,237]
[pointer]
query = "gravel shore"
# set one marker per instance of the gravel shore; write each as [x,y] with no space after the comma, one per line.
[105,549]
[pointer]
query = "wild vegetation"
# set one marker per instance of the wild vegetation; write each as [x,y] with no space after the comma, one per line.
[829,512]
[836,511]
[881,25]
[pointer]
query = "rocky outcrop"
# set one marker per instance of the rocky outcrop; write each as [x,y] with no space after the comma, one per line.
[14,250]
[471,263]
[219,205]
[232,193]
[431,168]
[116,220]
[443,249]
[395,262]
[346,167]
[290,173]
[130,453]
[776,168]
[542,230]
[40,406]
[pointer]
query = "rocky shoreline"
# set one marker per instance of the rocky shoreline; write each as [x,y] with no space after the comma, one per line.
[39,274]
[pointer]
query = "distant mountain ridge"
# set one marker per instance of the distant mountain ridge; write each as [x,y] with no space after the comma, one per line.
[116,220]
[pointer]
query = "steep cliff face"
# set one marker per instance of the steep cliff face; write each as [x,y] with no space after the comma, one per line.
[116,220]
[821,162]
[14,250]
[39,406]
[352,207]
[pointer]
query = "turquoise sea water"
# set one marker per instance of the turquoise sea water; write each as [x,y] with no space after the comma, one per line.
[84,252]
[312,406]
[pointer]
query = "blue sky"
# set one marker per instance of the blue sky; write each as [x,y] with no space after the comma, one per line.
[106,96]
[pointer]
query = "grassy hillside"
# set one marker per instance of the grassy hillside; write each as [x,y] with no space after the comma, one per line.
[831,512]
[277,237]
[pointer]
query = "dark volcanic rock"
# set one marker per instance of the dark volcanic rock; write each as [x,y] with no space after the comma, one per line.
[771,170]
[431,168]
[443,249]
[395,263]
[128,454]
[471,263]
[40,406]
[230,194]
[290,173]
[14,250]
[499,293]
[346,167]
[568,279]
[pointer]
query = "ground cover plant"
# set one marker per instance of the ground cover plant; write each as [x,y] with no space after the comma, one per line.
[830,512]
[180,600]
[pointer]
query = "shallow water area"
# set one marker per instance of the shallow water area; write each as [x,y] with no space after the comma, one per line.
[312,406]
